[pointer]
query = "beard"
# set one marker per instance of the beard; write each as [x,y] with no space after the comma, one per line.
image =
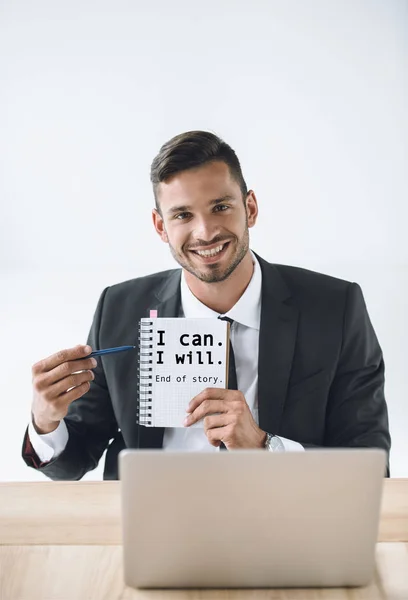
[215,273]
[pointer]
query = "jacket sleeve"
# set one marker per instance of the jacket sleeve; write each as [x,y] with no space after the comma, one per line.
[357,412]
[90,421]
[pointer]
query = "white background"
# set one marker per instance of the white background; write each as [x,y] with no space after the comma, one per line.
[312,95]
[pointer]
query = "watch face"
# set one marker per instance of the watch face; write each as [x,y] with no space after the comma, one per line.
[275,444]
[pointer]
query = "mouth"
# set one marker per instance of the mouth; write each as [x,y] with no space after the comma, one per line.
[211,255]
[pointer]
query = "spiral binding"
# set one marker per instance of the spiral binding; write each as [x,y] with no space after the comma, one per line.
[144,384]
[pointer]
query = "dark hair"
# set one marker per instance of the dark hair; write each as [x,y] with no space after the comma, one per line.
[193,149]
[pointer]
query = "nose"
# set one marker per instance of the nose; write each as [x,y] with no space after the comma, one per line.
[205,229]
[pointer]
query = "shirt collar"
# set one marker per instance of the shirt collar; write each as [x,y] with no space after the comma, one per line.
[247,310]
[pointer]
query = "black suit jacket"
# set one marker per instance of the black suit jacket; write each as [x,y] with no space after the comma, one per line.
[320,372]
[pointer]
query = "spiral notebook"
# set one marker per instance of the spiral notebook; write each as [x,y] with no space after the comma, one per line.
[178,359]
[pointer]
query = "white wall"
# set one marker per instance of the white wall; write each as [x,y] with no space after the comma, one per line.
[312,96]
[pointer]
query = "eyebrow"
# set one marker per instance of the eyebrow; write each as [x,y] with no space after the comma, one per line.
[186,207]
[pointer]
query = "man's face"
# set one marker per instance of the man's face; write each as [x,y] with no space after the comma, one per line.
[205,221]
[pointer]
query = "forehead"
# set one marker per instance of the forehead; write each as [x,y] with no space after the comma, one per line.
[204,183]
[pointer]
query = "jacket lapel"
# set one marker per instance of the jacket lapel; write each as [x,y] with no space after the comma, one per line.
[167,303]
[277,338]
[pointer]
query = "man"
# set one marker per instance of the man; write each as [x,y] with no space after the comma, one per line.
[309,367]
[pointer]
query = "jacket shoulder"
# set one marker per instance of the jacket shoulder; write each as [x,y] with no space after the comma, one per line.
[140,286]
[298,277]
[311,289]
[322,297]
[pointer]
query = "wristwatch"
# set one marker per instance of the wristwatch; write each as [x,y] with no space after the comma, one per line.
[273,443]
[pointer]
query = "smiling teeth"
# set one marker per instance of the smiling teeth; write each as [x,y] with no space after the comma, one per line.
[212,252]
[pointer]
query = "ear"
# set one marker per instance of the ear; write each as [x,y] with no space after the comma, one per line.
[159,225]
[251,205]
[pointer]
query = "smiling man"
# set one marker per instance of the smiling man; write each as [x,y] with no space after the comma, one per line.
[308,367]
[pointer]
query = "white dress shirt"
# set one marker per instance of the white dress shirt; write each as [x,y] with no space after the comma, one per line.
[246,314]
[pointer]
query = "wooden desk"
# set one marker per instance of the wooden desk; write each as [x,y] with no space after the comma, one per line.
[61,541]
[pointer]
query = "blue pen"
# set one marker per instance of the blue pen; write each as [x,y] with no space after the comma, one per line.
[110,351]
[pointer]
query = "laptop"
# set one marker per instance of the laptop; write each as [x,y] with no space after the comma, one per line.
[250,518]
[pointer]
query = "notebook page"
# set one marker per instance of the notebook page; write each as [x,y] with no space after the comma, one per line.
[179,346]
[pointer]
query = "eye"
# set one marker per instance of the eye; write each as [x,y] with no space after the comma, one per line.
[221,207]
[182,216]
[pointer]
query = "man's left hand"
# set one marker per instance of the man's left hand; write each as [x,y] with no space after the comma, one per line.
[227,419]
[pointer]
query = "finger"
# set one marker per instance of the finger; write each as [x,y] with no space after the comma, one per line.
[46,380]
[56,408]
[208,394]
[217,435]
[75,393]
[67,368]
[47,364]
[207,407]
[72,381]
[214,421]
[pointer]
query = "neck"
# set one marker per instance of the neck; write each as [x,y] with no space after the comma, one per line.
[221,296]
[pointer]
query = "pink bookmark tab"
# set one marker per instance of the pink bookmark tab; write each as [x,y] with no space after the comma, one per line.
[153,314]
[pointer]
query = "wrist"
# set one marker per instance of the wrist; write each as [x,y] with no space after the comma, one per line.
[262,440]
[43,427]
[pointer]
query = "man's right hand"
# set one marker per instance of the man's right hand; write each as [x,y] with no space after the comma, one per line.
[57,383]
